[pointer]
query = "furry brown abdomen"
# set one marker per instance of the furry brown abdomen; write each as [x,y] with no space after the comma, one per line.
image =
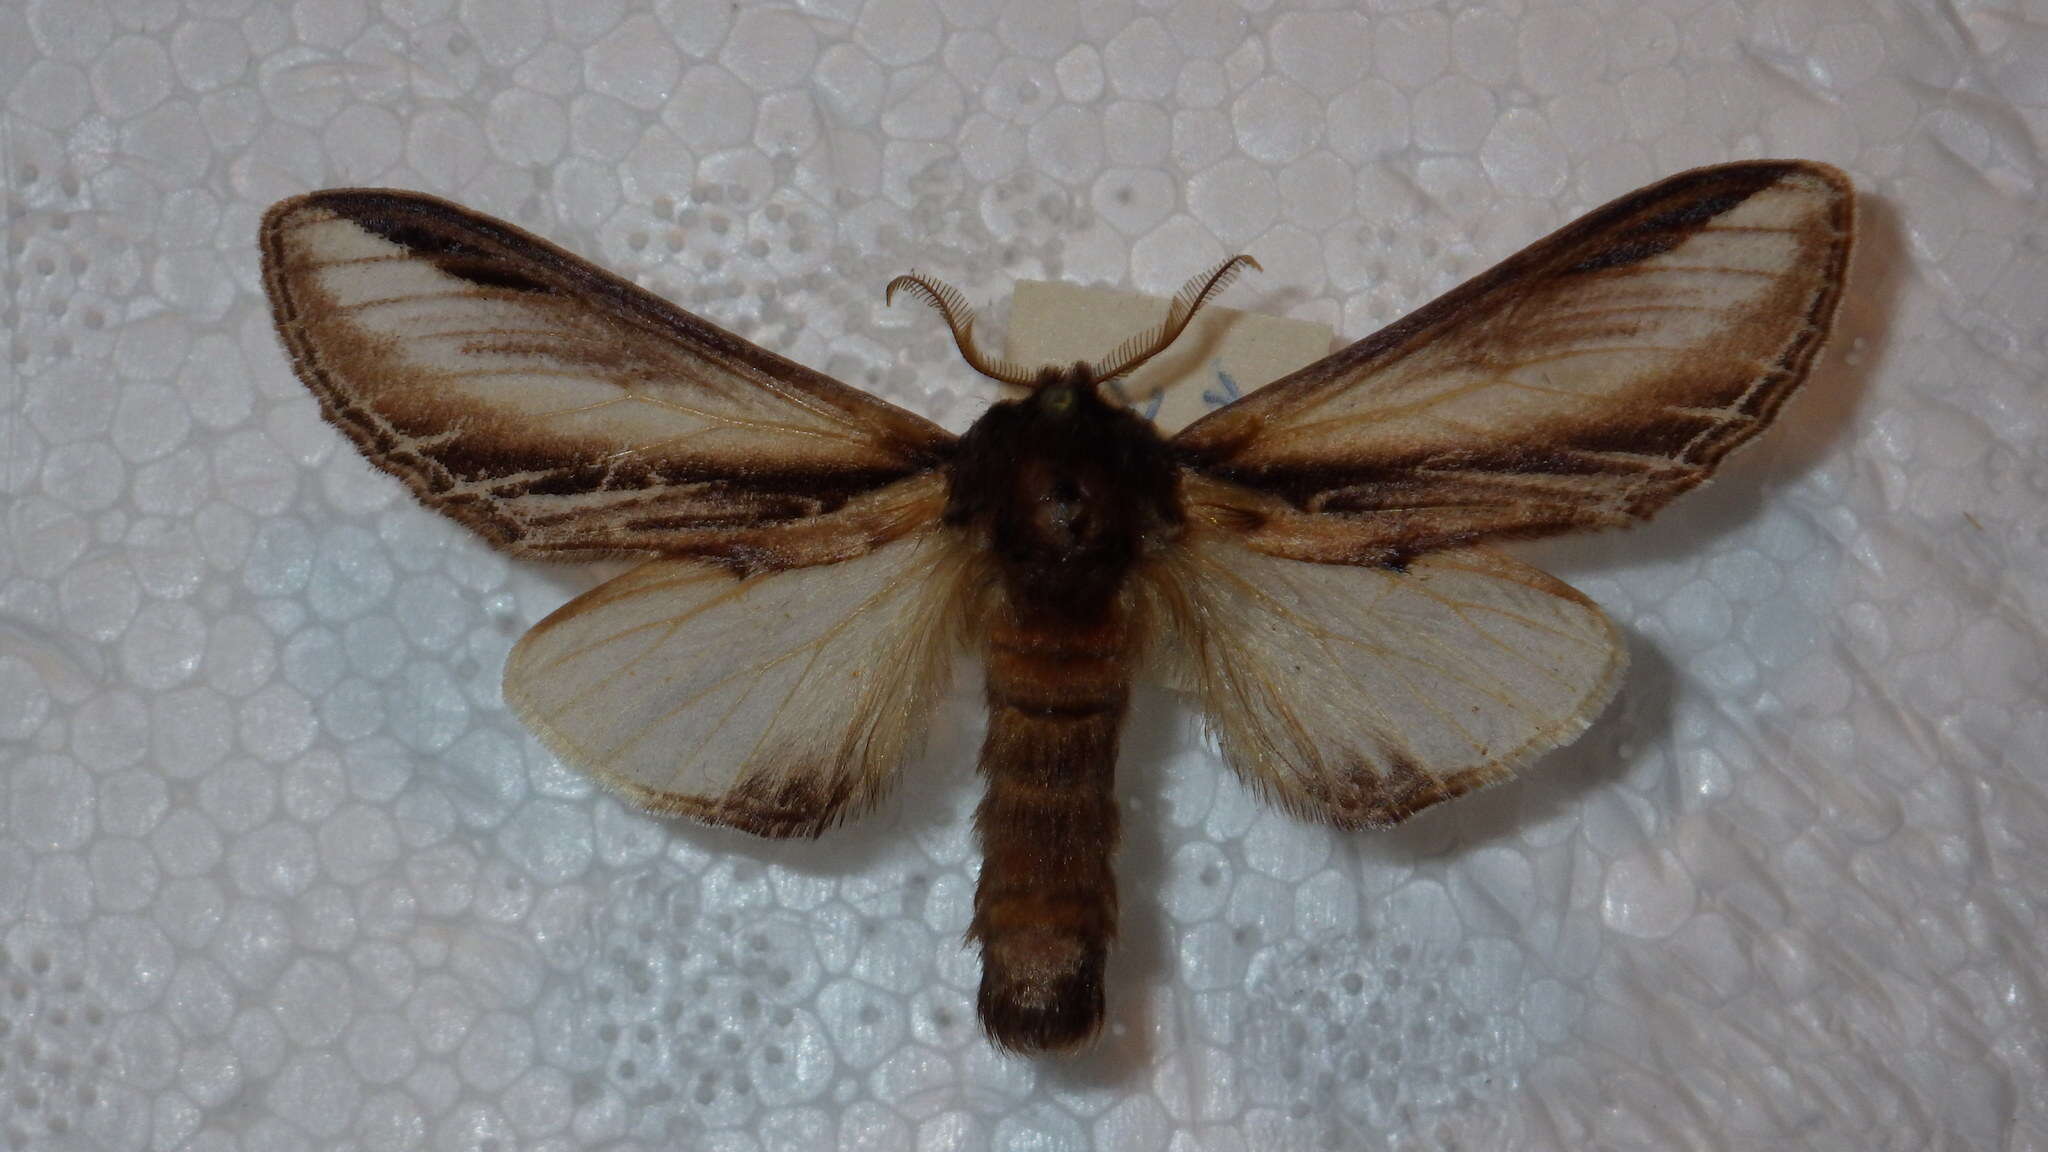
[1045,909]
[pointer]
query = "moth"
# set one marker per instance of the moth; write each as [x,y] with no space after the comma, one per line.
[1311,561]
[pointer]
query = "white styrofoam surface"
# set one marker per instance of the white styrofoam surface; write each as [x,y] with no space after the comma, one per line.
[277,870]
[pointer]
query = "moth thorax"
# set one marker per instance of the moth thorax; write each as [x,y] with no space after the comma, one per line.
[1069,509]
[1064,488]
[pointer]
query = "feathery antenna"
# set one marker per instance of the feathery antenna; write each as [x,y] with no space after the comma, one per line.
[1188,301]
[948,302]
[1124,359]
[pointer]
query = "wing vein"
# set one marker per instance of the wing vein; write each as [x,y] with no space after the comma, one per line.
[815,645]
[1387,728]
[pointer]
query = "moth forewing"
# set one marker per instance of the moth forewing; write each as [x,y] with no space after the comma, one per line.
[1582,383]
[555,408]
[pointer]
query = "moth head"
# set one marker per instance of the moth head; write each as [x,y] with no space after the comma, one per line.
[1058,392]
[1123,360]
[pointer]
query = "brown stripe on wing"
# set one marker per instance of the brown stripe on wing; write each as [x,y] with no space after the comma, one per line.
[1659,230]
[401,220]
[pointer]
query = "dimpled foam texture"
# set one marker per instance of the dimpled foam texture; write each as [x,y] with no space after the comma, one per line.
[278,871]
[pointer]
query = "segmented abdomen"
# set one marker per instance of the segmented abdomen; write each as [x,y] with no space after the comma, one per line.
[1045,909]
